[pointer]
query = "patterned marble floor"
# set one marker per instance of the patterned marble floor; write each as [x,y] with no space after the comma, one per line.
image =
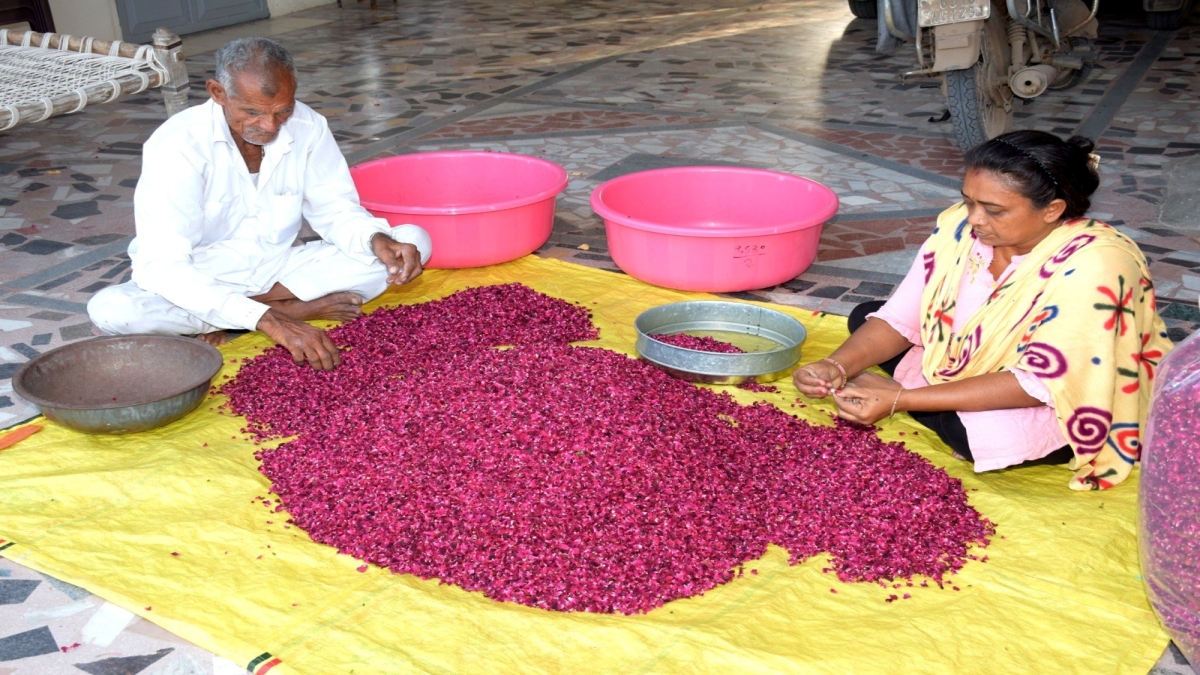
[602,87]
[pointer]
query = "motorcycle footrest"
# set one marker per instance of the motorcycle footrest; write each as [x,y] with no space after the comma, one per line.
[1072,60]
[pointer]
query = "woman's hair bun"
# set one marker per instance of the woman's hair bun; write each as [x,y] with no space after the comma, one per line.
[1082,143]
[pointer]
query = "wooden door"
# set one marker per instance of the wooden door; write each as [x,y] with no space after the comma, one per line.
[139,18]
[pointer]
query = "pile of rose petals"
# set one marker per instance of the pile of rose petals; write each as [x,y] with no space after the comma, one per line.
[702,343]
[1169,497]
[574,478]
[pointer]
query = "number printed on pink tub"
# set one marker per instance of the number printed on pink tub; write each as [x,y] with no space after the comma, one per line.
[746,250]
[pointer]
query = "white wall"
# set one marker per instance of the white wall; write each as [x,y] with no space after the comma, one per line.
[281,7]
[92,18]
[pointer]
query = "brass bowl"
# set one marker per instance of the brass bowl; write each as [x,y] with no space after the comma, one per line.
[120,384]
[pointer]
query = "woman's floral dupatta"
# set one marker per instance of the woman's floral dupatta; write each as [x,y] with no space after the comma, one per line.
[1078,312]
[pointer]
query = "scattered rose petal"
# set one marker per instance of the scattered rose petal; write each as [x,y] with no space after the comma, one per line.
[699,343]
[572,478]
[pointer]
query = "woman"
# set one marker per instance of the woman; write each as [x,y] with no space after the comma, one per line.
[1023,332]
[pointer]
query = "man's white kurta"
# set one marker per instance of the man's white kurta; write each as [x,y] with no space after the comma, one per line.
[208,236]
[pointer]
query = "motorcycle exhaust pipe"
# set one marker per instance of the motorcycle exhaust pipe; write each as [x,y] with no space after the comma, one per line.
[1032,81]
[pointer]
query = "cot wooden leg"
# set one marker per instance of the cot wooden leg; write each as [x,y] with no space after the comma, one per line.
[169,50]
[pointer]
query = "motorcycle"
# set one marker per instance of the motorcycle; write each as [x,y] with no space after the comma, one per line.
[988,52]
[1166,14]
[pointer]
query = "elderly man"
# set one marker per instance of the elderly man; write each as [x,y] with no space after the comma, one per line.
[219,204]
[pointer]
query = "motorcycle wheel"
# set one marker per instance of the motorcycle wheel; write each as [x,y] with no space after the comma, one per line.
[976,117]
[1172,20]
[864,9]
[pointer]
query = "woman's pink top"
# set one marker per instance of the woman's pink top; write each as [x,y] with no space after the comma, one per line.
[998,438]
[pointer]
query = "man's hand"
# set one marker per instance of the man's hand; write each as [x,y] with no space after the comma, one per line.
[306,343]
[403,261]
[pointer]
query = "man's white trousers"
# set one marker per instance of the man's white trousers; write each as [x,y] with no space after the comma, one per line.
[313,270]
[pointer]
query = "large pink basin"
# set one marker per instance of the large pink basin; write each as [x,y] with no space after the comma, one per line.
[712,228]
[480,208]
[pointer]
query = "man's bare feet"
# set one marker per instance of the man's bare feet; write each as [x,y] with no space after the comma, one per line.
[216,338]
[343,306]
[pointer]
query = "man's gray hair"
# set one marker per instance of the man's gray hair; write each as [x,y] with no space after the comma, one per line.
[253,54]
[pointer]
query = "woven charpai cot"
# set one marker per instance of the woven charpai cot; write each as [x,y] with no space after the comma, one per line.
[42,75]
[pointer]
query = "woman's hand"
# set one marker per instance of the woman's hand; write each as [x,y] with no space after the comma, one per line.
[817,379]
[873,343]
[867,398]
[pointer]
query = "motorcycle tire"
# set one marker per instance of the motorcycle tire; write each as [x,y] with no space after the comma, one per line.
[864,9]
[975,117]
[1172,20]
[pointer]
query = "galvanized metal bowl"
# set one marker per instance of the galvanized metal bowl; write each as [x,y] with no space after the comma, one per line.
[120,384]
[780,334]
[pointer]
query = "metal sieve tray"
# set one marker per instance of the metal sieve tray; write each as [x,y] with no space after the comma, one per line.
[731,317]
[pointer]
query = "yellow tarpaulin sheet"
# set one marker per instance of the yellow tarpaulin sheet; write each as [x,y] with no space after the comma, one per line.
[1060,592]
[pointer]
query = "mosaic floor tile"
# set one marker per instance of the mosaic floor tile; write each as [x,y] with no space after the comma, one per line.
[537,120]
[36,642]
[123,665]
[15,591]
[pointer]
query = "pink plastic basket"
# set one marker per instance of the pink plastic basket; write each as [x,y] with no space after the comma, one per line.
[712,228]
[480,208]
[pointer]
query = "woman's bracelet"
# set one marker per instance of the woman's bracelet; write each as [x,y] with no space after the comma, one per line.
[895,401]
[841,370]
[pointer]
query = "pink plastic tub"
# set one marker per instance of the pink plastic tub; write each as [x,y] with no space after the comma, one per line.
[480,208]
[711,228]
